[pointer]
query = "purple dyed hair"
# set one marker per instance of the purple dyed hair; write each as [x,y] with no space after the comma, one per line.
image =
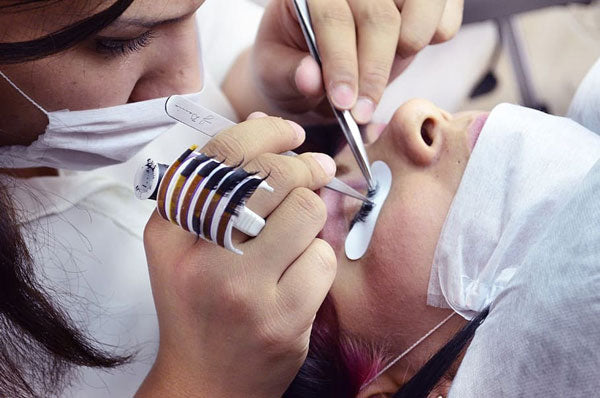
[337,364]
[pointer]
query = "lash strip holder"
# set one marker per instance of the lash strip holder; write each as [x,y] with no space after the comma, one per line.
[196,191]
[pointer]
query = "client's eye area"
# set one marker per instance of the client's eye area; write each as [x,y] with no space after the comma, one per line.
[361,232]
[362,213]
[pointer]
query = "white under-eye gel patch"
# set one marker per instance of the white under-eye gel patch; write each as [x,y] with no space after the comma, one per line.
[359,237]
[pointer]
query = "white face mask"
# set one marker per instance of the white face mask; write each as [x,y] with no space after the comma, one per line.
[522,170]
[84,140]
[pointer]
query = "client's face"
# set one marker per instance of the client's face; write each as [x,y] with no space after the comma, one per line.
[382,296]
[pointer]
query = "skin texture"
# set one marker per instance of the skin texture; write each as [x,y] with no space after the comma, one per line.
[381,297]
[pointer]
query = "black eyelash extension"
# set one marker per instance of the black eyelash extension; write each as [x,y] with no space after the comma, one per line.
[185,154]
[206,170]
[216,178]
[365,209]
[189,169]
[232,181]
[210,185]
[242,194]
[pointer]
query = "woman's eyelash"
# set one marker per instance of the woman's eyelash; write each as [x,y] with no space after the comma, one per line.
[111,46]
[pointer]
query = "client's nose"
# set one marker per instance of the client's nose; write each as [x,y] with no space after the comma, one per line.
[416,130]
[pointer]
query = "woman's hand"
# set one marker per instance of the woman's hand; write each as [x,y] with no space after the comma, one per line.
[239,326]
[363,44]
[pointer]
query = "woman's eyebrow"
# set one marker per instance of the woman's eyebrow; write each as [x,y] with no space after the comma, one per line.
[146,23]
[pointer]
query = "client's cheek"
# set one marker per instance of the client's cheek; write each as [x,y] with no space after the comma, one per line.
[383,251]
[400,250]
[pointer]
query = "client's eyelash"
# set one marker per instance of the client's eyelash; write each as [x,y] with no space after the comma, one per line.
[122,47]
[362,213]
[364,210]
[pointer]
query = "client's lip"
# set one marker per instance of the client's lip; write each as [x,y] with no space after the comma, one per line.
[474,129]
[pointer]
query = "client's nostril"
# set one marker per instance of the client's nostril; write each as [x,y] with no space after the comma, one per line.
[427,131]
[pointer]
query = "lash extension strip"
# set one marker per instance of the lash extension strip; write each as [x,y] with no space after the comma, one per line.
[232,180]
[193,191]
[162,190]
[203,196]
[197,161]
[201,204]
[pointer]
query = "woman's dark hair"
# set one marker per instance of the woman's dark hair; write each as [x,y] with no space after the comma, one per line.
[60,40]
[421,384]
[38,342]
[328,372]
[337,364]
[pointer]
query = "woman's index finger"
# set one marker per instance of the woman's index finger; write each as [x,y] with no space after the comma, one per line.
[245,141]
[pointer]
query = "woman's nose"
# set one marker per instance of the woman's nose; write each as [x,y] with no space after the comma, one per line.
[416,130]
[162,76]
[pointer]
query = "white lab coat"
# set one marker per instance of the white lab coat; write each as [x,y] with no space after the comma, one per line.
[542,336]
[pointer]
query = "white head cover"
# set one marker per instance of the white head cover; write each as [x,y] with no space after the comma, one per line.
[585,108]
[521,172]
[541,336]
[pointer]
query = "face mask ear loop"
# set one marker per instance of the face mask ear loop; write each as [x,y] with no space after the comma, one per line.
[28,98]
[408,350]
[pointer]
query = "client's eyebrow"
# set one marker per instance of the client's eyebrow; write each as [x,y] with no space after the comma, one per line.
[342,169]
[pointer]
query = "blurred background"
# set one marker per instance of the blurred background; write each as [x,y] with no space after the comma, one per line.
[559,44]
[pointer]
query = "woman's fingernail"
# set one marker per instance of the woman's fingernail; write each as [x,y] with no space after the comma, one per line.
[342,96]
[298,129]
[363,110]
[308,77]
[326,162]
[256,115]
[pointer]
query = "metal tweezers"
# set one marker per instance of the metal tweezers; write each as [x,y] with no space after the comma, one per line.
[344,118]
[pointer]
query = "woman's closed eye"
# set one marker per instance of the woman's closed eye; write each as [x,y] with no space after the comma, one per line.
[122,47]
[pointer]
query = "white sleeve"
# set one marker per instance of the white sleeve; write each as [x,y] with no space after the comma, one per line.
[227,27]
[542,336]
